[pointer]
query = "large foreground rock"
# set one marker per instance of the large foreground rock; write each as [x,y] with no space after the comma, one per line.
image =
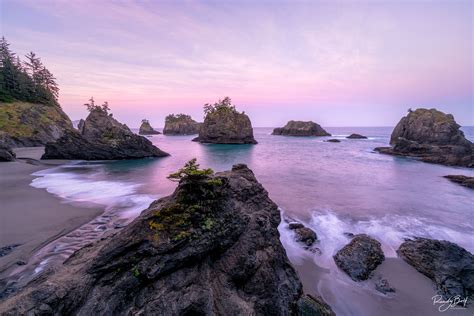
[300,128]
[146,129]
[211,248]
[225,125]
[28,124]
[101,138]
[360,257]
[432,136]
[446,264]
[180,124]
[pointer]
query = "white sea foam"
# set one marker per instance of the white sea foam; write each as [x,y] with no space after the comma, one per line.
[87,184]
[390,230]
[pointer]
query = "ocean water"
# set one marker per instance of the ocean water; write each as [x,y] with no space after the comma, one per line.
[334,188]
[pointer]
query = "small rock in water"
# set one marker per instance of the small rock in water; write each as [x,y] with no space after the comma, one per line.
[295,225]
[303,234]
[356,136]
[333,140]
[349,235]
[383,286]
[20,262]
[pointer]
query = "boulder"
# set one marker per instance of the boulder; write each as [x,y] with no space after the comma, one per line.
[333,140]
[462,180]
[360,257]
[449,266]
[30,124]
[210,248]
[6,152]
[146,129]
[101,138]
[225,125]
[300,128]
[356,136]
[431,136]
[180,124]
[303,234]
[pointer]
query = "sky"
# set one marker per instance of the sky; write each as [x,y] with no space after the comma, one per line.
[338,63]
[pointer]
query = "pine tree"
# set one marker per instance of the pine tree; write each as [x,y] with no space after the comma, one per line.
[29,81]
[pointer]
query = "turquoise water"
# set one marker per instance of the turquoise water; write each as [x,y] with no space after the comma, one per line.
[332,187]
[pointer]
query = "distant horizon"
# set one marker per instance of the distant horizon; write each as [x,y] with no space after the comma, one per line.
[336,63]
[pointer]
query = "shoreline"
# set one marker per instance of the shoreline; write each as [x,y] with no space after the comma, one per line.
[30,218]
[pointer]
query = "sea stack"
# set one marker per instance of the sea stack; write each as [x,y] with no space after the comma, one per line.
[101,138]
[210,248]
[431,136]
[225,125]
[146,129]
[180,124]
[300,128]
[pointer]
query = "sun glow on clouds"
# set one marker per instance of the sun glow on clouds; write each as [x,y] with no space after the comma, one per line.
[292,58]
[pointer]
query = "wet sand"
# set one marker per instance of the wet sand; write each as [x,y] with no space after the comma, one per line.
[31,217]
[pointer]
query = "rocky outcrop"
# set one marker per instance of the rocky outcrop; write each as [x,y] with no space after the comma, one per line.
[28,124]
[180,124]
[210,248]
[462,180]
[300,128]
[102,138]
[431,136]
[360,257]
[225,125]
[6,152]
[356,136]
[449,266]
[146,129]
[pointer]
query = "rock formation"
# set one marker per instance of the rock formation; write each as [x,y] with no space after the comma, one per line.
[180,124]
[225,125]
[333,140]
[300,128]
[80,125]
[102,138]
[210,248]
[462,180]
[360,257]
[28,124]
[446,264]
[6,153]
[303,234]
[356,136]
[432,136]
[146,129]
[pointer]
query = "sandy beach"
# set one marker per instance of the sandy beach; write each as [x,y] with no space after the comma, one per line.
[31,217]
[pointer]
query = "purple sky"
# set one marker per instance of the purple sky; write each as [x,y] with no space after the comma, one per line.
[339,63]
